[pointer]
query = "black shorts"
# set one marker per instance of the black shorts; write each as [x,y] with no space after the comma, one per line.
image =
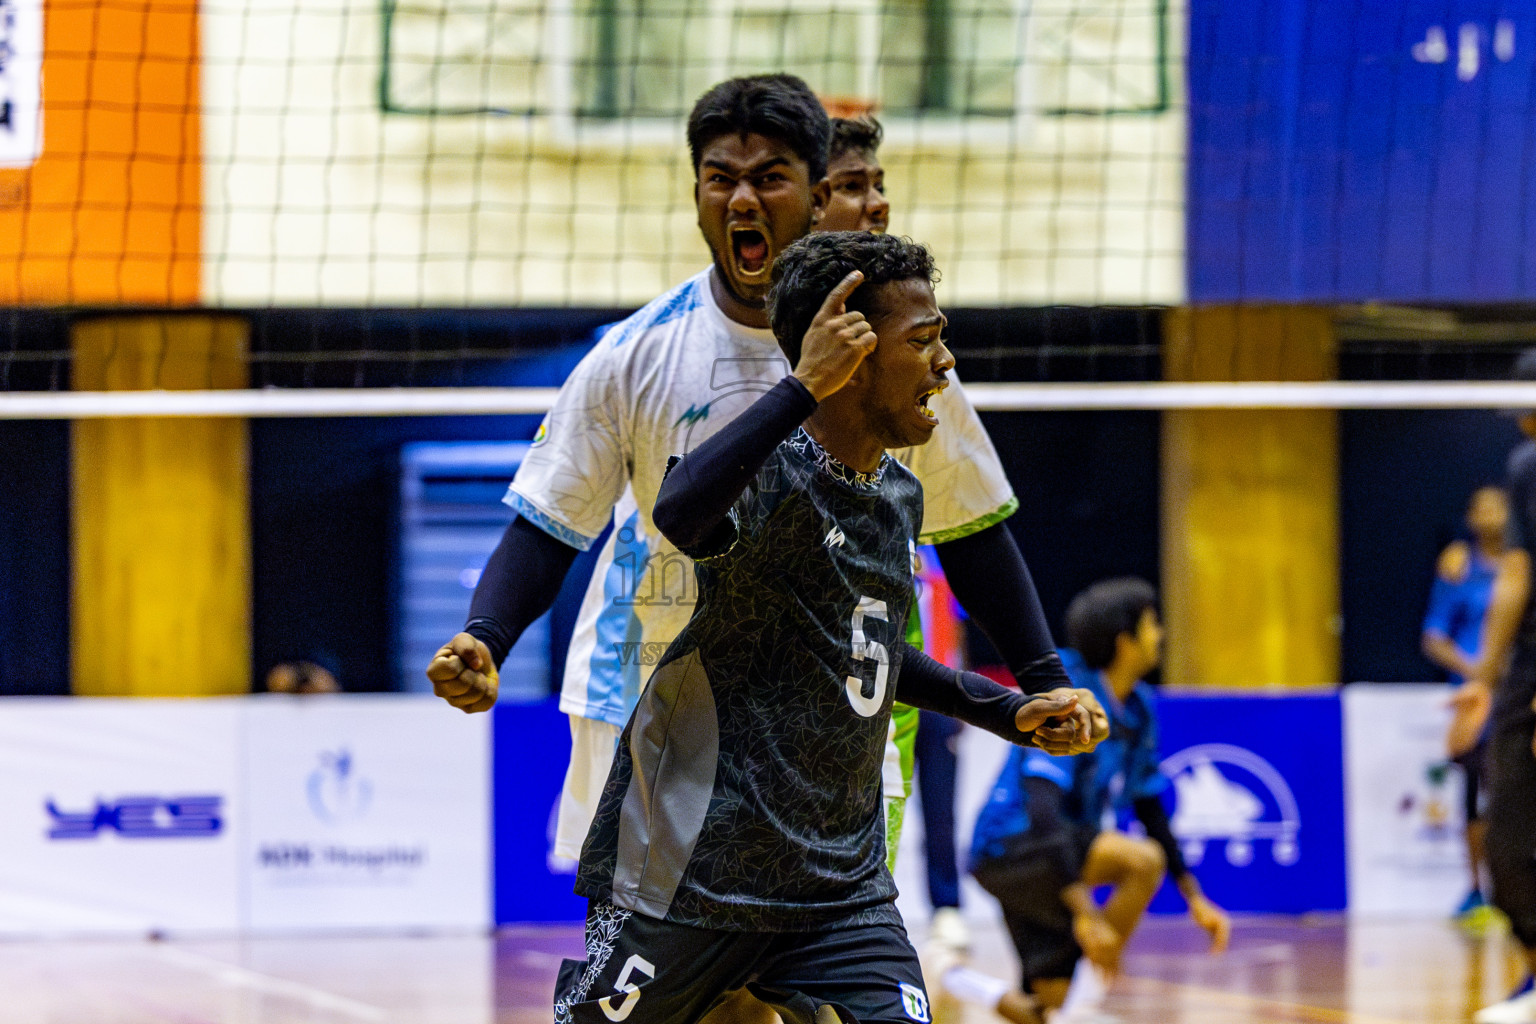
[1027,880]
[640,970]
[1511,816]
[1474,783]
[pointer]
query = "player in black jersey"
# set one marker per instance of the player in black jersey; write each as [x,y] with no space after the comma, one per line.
[740,839]
[1506,677]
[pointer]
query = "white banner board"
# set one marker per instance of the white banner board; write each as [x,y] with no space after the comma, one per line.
[256,813]
[21,82]
[1403,802]
[367,812]
[118,816]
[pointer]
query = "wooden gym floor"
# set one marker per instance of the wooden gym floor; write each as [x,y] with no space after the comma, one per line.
[1279,971]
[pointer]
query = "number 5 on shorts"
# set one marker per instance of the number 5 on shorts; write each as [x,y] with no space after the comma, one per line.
[635,964]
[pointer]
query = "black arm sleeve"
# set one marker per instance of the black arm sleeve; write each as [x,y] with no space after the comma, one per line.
[701,487]
[987,573]
[927,684]
[518,585]
[1154,818]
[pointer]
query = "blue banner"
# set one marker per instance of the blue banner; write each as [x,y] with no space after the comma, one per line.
[1384,149]
[1257,800]
[531,746]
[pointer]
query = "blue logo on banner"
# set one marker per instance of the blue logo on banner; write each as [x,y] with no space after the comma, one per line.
[1259,817]
[1232,798]
[336,792]
[141,817]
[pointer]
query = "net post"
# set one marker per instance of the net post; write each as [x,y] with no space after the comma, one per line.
[161,516]
[1250,498]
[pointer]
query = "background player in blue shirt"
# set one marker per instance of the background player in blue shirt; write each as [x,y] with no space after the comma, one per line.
[1453,628]
[1463,585]
[1046,837]
[740,838]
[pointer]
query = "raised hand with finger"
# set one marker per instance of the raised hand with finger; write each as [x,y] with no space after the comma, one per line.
[836,342]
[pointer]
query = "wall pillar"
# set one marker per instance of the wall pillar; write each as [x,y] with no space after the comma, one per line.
[1250,507]
[161,516]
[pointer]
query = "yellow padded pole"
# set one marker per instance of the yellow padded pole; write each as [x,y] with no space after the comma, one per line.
[1250,506]
[161,516]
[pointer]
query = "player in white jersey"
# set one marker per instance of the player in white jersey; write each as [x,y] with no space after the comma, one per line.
[659,383]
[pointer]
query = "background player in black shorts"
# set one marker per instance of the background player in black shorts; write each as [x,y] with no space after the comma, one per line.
[740,839]
[1509,636]
[1041,844]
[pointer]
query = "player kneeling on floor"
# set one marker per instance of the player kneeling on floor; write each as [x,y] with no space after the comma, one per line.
[740,840]
[1040,846]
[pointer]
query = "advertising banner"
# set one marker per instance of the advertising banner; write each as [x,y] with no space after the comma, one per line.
[1255,800]
[118,816]
[1407,855]
[366,812]
[21,82]
[533,746]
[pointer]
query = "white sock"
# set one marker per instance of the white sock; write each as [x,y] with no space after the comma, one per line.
[1088,989]
[974,987]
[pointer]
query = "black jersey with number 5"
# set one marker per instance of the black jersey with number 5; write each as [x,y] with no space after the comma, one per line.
[746,790]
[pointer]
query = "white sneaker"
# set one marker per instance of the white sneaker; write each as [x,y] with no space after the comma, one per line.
[1519,1010]
[948,929]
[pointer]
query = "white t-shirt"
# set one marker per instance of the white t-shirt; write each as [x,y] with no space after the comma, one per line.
[657,385]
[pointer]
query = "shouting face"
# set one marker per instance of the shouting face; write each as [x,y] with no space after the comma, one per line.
[754,197]
[909,365]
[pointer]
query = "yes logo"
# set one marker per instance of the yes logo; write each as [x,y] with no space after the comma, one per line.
[915,1001]
[141,817]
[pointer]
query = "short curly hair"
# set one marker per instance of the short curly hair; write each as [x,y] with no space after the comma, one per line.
[811,267]
[778,107]
[861,134]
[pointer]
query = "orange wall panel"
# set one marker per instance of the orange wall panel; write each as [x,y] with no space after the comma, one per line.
[111,210]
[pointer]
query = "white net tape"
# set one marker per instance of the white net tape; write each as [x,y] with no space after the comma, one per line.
[986,397]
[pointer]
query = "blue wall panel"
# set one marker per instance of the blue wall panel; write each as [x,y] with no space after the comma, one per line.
[1380,149]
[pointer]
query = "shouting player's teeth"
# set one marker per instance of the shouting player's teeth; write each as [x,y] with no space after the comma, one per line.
[922,404]
[751,251]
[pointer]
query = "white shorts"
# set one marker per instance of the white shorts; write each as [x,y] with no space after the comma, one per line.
[592,747]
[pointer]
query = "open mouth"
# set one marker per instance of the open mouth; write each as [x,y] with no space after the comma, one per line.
[750,247]
[922,403]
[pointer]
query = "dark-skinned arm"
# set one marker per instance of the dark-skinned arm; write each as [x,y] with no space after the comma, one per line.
[988,575]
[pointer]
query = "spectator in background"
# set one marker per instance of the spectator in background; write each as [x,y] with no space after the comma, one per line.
[1452,640]
[301,677]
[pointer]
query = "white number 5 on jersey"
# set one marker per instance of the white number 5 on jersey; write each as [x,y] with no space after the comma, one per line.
[875,651]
